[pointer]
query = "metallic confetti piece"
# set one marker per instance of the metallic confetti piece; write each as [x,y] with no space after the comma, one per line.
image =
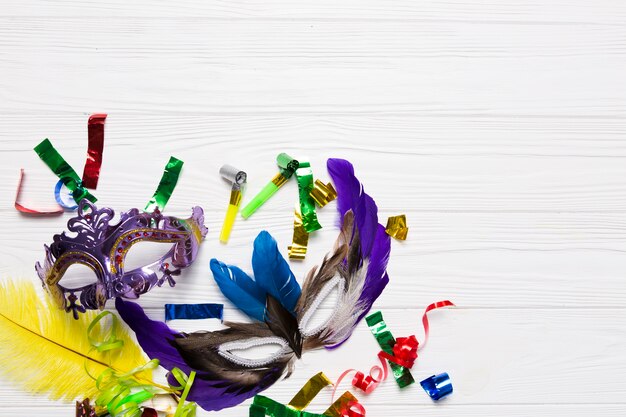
[237,178]
[396,227]
[63,170]
[297,250]
[308,392]
[95,147]
[341,407]
[304,175]
[194,311]
[64,197]
[323,193]
[287,166]
[166,185]
[386,341]
[437,386]
[53,211]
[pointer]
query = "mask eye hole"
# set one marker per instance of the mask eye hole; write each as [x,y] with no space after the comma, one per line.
[254,352]
[77,276]
[145,253]
[322,308]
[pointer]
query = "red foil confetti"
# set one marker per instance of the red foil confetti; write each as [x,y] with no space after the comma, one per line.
[95,147]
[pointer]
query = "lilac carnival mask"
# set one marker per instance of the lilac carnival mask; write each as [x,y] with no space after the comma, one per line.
[103,247]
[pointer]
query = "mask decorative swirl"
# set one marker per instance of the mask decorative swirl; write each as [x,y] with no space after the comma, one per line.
[103,247]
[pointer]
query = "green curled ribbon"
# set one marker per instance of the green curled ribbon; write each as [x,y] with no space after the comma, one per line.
[304,174]
[51,157]
[166,185]
[122,394]
[189,409]
[110,342]
[386,341]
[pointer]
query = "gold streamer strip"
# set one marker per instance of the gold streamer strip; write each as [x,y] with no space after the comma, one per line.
[312,387]
[297,250]
[335,410]
[396,227]
[323,193]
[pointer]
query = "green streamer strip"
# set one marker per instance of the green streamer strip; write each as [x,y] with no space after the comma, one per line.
[166,185]
[304,174]
[386,341]
[63,170]
[263,406]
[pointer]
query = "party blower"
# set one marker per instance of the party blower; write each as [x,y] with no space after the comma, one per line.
[237,178]
[287,166]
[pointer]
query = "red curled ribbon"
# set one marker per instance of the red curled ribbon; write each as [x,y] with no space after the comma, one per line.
[95,147]
[353,409]
[405,349]
[368,383]
[23,209]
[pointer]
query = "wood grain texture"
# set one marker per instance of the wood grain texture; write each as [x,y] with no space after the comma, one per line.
[497,127]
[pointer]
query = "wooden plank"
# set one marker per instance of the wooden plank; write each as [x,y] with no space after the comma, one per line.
[191,67]
[532,11]
[545,358]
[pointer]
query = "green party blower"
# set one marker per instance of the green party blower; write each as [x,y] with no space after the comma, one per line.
[287,166]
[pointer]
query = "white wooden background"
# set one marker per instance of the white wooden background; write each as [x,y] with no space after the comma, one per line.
[498,127]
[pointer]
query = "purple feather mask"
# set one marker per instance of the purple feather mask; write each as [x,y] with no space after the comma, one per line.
[103,247]
[355,269]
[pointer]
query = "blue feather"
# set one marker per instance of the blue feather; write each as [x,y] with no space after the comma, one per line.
[239,288]
[272,272]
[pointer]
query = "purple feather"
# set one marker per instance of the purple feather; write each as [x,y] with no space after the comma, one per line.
[351,196]
[154,337]
[375,243]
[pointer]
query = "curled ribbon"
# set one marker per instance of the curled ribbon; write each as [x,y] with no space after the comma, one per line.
[366,383]
[402,352]
[121,394]
[166,186]
[396,227]
[23,209]
[386,341]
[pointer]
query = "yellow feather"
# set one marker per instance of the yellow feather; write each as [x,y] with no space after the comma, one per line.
[43,348]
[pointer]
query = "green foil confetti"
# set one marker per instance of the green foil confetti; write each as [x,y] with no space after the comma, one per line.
[386,341]
[304,174]
[166,185]
[263,406]
[63,170]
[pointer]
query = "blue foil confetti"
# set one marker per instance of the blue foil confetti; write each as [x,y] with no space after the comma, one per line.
[194,311]
[437,386]
[63,196]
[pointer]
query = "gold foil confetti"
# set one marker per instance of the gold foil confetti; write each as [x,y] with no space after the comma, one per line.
[297,250]
[306,394]
[396,227]
[336,409]
[323,193]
